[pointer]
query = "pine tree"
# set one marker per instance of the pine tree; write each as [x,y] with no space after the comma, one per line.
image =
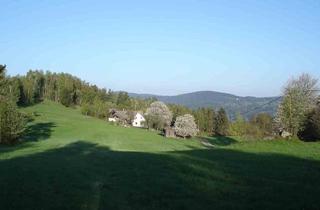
[222,123]
[11,120]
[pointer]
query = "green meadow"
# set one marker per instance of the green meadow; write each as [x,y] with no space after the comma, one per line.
[71,161]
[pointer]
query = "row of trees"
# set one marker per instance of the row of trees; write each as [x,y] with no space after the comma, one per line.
[206,120]
[68,90]
[260,125]
[209,121]
[159,117]
[298,112]
[36,86]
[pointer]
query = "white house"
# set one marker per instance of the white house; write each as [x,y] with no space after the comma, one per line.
[112,119]
[138,120]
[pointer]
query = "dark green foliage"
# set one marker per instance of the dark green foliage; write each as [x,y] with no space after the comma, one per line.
[123,100]
[66,96]
[311,131]
[206,120]
[3,81]
[98,108]
[32,87]
[71,91]
[2,72]
[11,120]
[178,110]
[222,123]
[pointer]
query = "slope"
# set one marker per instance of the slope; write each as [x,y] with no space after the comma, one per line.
[70,161]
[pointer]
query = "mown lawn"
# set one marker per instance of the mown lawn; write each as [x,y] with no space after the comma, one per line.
[70,161]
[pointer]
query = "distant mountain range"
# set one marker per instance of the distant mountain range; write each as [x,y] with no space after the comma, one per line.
[247,106]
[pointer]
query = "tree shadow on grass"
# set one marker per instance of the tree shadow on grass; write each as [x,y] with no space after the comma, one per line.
[83,175]
[38,131]
[218,140]
[33,132]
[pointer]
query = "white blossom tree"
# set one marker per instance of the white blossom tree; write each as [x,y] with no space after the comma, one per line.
[299,97]
[185,126]
[158,115]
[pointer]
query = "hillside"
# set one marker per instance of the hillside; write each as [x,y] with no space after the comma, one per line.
[233,104]
[70,161]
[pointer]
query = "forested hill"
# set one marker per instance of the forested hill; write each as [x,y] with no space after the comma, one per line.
[233,104]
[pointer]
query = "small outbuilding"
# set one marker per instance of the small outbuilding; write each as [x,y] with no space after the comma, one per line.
[169,132]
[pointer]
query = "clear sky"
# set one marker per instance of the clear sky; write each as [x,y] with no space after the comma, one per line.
[165,47]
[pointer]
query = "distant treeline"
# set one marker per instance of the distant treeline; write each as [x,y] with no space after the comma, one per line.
[70,91]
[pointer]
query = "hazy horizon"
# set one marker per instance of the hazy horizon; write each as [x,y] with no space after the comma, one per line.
[245,48]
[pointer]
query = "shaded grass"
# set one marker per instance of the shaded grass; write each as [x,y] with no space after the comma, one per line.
[38,131]
[83,175]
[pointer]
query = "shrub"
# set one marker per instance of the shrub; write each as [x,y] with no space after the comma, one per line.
[12,122]
[311,130]
[66,97]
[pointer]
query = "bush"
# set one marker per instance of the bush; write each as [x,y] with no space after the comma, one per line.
[311,130]
[185,126]
[221,123]
[85,109]
[238,127]
[253,129]
[66,97]
[12,122]
[99,109]
[264,122]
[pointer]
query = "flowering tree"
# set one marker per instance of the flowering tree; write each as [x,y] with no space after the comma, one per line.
[299,98]
[185,126]
[158,115]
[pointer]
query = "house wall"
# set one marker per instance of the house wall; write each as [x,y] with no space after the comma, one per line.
[112,119]
[138,120]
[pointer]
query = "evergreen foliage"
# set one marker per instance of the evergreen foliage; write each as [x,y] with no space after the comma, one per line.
[222,123]
[11,120]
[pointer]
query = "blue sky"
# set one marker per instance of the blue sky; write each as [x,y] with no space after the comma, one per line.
[165,47]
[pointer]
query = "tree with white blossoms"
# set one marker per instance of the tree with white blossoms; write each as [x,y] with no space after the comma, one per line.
[185,126]
[158,115]
[299,97]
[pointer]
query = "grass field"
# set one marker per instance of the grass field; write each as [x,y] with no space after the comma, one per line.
[70,161]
